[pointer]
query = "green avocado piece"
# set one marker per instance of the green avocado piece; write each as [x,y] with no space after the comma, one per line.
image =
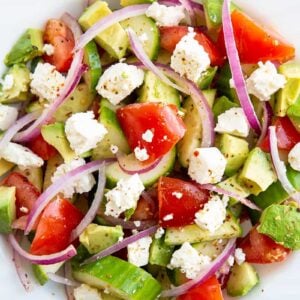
[34,175]
[40,271]
[51,167]
[28,46]
[221,105]
[7,208]
[96,237]
[293,112]
[282,224]
[206,78]
[5,166]
[160,253]
[113,39]
[235,151]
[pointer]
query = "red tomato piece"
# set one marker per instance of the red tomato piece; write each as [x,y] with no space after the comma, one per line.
[53,232]
[146,209]
[26,192]
[60,36]
[163,120]
[208,290]
[180,199]
[171,35]
[260,249]
[40,147]
[256,43]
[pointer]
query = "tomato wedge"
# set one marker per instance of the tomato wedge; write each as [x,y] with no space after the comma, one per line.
[53,232]
[163,120]
[59,35]
[208,290]
[171,35]
[180,199]
[260,249]
[256,43]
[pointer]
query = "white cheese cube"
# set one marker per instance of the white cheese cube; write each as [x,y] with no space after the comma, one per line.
[294,157]
[7,82]
[8,116]
[138,252]
[239,256]
[85,292]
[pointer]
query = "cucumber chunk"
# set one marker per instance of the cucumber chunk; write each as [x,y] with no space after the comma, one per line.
[40,271]
[7,208]
[160,253]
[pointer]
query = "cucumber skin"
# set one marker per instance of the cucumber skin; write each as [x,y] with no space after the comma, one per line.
[121,278]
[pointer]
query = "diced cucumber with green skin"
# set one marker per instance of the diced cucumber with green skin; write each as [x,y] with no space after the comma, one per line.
[142,25]
[114,173]
[5,166]
[243,278]
[120,278]
[40,271]
[177,277]
[51,167]
[105,296]
[133,2]
[212,249]
[194,234]
[92,60]
[154,90]
[7,208]
[34,175]
[236,209]
[221,105]
[160,253]
[28,46]
[206,78]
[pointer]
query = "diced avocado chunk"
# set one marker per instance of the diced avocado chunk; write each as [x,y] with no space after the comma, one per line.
[19,90]
[7,208]
[160,252]
[113,39]
[28,46]
[120,278]
[96,237]
[282,224]
[243,278]
[40,271]
[255,181]
[293,112]
[51,167]
[154,90]
[133,2]
[5,166]
[34,175]
[207,77]
[221,105]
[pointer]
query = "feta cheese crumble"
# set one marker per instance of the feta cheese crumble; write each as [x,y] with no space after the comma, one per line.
[7,82]
[138,252]
[8,116]
[189,261]
[177,195]
[85,292]
[137,223]
[114,149]
[168,217]
[24,209]
[147,136]
[82,185]
[119,81]
[165,15]
[124,196]
[207,165]
[141,154]
[213,214]
[48,49]
[233,121]
[46,82]
[84,132]
[159,233]
[265,81]
[189,58]
[239,256]
[294,157]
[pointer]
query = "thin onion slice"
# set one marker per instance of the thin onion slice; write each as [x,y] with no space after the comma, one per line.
[68,274]
[62,280]
[71,22]
[120,245]
[195,5]
[236,70]
[50,259]
[187,4]
[267,119]
[210,270]
[92,212]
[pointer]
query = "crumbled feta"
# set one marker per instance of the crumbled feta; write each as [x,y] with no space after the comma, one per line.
[7,82]
[159,233]
[165,15]
[24,209]
[48,49]
[85,292]
[119,81]
[213,214]
[207,165]
[124,196]
[141,154]
[147,136]
[82,185]
[168,217]
[138,252]
[114,149]
[265,81]
[233,121]
[189,261]
[21,156]
[230,261]
[8,116]
[189,58]
[137,223]
[231,83]
[239,256]
[46,82]
[177,195]
[294,157]
[84,132]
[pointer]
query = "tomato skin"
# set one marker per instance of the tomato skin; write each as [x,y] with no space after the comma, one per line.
[208,290]
[260,249]
[183,209]
[255,43]
[163,120]
[53,232]
[171,35]
[60,36]
[26,192]
[146,209]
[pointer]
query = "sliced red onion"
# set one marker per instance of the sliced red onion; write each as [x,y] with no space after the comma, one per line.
[187,4]
[244,201]
[68,274]
[210,270]
[194,4]
[50,259]
[72,23]
[92,212]
[279,166]
[62,280]
[236,70]
[120,245]
[115,17]
[267,119]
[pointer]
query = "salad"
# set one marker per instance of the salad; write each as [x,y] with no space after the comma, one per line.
[136,144]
